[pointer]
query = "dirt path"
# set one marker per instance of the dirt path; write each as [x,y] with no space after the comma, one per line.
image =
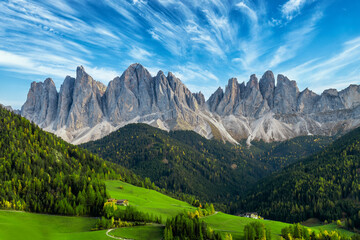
[107,234]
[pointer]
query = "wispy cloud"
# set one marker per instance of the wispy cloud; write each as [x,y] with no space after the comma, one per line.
[193,72]
[139,54]
[51,66]
[295,40]
[203,42]
[251,13]
[292,8]
[340,70]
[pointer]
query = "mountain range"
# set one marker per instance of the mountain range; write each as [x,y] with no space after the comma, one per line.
[85,109]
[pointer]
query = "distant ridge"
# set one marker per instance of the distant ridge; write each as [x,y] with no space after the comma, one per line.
[85,109]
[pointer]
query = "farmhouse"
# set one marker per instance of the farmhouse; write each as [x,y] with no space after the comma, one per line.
[252,215]
[122,202]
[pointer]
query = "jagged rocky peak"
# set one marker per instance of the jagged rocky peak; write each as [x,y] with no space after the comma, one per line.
[174,82]
[285,95]
[41,103]
[49,82]
[306,101]
[232,83]
[129,95]
[215,99]
[83,79]
[230,98]
[85,109]
[199,98]
[267,87]
[253,82]
[136,71]
[232,90]
[65,101]
[329,101]
[253,104]
[331,92]
[285,81]
[351,96]
[251,86]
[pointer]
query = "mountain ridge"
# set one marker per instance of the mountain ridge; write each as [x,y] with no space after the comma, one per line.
[85,109]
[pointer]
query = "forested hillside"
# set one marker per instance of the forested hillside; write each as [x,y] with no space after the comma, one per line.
[205,168]
[184,161]
[325,185]
[281,154]
[39,172]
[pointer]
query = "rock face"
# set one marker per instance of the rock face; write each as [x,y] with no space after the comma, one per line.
[85,109]
[41,104]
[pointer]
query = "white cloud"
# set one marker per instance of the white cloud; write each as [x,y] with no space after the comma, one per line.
[51,66]
[154,35]
[251,13]
[292,7]
[9,59]
[167,2]
[106,32]
[140,54]
[294,40]
[194,73]
[340,70]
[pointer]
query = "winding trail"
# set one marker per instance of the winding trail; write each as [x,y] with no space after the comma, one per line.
[108,231]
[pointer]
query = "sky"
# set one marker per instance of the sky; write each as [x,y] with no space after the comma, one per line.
[204,43]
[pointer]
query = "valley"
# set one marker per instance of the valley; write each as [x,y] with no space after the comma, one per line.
[52,227]
[83,190]
[179,120]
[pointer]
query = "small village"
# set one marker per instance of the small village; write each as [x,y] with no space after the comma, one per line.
[121,202]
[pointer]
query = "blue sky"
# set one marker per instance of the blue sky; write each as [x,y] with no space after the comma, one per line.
[204,43]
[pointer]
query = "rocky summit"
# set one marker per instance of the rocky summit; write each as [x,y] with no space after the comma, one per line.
[86,110]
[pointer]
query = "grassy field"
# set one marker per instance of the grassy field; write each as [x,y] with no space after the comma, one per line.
[29,226]
[154,232]
[147,200]
[158,204]
[235,225]
[22,226]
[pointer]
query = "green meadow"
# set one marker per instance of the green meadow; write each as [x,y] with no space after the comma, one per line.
[159,204]
[154,232]
[235,225]
[147,200]
[17,225]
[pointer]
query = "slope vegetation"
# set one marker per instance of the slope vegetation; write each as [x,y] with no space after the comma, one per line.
[325,185]
[183,161]
[39,172]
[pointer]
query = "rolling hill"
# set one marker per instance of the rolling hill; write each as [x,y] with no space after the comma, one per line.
[39,172]
[183,161]
[325,186]
[42,226]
